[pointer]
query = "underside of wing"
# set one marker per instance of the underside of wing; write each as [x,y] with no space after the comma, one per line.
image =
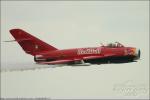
[92,57]
[74,60]
[57,62]
[97,57]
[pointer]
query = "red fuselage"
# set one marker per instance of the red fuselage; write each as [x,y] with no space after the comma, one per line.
[102,52]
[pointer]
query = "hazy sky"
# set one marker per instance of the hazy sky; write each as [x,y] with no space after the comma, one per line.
[71,24]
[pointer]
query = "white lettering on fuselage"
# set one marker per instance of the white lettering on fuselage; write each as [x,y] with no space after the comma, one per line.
[83,51]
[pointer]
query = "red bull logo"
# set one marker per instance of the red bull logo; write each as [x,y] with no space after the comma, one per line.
[88,51]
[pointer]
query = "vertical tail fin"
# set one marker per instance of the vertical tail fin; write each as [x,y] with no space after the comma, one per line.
[29,43]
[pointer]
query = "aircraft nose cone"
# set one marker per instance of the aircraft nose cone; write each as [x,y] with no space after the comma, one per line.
[137,54]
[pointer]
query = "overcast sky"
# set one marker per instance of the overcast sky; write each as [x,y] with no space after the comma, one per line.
[71,24]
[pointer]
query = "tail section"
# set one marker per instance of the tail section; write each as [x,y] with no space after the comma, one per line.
[29,43]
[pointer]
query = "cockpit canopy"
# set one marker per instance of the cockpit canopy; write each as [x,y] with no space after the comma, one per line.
[114,45]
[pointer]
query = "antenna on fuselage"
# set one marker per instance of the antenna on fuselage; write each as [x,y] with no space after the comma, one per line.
[102,44]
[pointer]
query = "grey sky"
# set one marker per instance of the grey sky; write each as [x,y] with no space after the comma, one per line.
[70,24]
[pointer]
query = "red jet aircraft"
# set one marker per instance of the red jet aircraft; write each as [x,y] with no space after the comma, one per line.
[46,54]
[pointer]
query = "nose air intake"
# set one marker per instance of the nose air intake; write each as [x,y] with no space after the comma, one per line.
[138,54]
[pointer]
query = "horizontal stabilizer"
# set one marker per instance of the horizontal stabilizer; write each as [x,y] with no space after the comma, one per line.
[18,40]
[10,41]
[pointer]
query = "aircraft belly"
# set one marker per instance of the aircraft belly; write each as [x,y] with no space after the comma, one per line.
[121,59]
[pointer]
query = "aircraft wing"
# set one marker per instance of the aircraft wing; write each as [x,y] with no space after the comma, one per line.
[91,57]
[58,61]
[68,60]
[65,61]
[96,57]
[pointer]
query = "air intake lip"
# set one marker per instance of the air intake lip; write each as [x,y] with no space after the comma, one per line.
[138,54]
